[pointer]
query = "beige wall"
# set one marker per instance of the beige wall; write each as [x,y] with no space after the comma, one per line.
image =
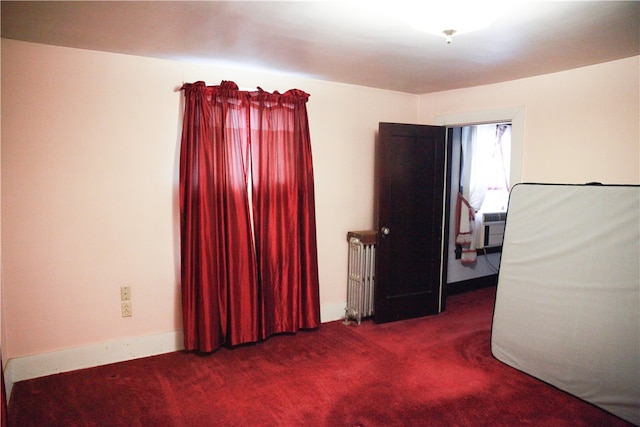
[580,125]
[89,172]
[89,175]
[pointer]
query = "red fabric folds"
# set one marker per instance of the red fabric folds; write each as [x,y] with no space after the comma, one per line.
[236,291]
[284,212]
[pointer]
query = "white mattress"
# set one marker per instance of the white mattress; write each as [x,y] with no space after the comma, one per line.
[568,299]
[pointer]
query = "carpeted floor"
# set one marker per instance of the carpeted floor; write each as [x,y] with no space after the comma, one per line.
[432,371]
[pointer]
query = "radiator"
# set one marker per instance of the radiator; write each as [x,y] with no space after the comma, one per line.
[361,275]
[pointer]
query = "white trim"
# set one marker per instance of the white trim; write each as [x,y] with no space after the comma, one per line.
[43,364]
[514,114]
[104,353]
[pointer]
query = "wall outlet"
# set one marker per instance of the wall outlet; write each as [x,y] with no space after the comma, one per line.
[126,309]
[125,293]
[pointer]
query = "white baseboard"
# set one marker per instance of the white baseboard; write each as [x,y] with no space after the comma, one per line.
[331,312]
[71,359]
[103,353]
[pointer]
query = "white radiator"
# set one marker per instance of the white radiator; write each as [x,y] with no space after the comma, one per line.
[361,275]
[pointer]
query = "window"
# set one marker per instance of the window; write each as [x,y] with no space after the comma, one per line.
[485,166]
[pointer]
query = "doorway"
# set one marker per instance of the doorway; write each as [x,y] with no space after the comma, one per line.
[480,163]
[387,290]
[461,278]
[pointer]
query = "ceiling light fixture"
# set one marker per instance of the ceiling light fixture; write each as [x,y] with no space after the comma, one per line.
[448,18]
[449,35]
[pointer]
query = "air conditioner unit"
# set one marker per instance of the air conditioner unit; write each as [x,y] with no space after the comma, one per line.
[491,229]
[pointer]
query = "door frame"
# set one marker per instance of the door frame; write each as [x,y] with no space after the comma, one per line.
[513,114]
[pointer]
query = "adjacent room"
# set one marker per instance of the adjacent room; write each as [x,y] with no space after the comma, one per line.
[105,107]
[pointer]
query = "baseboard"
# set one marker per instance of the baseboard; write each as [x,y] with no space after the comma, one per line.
[103,353]
[331,312]
[471,284]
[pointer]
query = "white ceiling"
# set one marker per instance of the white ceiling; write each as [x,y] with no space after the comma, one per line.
[343,41]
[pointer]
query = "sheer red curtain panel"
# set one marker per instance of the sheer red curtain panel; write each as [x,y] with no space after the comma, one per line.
[284,212]
[246,272]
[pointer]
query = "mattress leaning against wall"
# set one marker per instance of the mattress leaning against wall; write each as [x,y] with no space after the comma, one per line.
[568,299]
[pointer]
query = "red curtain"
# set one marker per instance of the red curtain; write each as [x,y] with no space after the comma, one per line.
[284,212]
[235,290]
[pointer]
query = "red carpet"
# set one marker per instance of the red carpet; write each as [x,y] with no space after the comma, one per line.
[433,371]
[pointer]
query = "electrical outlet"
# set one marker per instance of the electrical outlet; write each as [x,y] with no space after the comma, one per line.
[125,293]
[126,309]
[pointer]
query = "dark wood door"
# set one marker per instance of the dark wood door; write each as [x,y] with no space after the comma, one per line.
[412,192]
